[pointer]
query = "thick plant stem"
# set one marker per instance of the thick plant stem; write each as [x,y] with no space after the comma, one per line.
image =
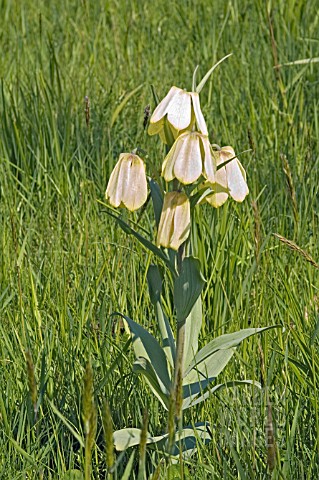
[178,385]
[178,378]
[176,400]
[179,358]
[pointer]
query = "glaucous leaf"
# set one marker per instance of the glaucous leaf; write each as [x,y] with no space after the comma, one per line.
[187,287]
[129,437]
[205,372]
[220,386]
[146,346]
[144,367]
[192,330]
[225,342]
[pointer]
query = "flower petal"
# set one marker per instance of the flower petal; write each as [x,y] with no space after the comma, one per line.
[127,184]
[134,183]
[115,185]
[174,223]
[210,161]
[218,197]
[236,176]
[220,176]
[166,225]
[179,111]
[155,128]
[181,222]
[169,160]
[201,124]
[188,162]
[242,170]
[237,185]
[162,108]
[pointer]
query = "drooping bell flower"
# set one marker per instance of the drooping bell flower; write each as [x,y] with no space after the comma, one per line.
[127,184]
[174,225]
[190,157]
[176,113]
[229,180]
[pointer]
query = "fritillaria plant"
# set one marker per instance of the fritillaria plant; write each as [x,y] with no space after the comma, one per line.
[194,172]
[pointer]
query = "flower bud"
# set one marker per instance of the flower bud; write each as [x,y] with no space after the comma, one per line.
[190,157]
[127,184]
[229,180]
[174,225]
[176,113]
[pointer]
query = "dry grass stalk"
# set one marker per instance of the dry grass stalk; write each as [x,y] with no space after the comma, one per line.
[142,459]
[293,246]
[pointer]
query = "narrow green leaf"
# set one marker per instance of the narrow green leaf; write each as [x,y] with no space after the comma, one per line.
[23,452]
[240,468]
[73,475]
[67,423]
[155,288]
[146,243]
[194,79]
[120,107]
[291,441]
[22,249]
[4,416]
[155,282]
[168,340]
[315,332]
[157,199]
[155,96]
[208,74]
[187,287]
[128,468]
[303,61]
[199,196]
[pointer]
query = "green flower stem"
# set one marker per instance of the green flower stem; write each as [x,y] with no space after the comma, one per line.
[179,358]
[179,364]
[178,385]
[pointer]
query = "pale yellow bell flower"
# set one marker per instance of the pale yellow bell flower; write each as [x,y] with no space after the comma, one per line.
[229,180]
[127,184]
[177,112]
[174,225]
[190,157]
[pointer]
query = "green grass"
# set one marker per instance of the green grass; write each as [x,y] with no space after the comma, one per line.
[65,266]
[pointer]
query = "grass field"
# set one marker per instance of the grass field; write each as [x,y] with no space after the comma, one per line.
[66,266]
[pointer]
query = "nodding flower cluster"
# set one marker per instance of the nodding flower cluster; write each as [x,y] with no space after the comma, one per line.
[191,159]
